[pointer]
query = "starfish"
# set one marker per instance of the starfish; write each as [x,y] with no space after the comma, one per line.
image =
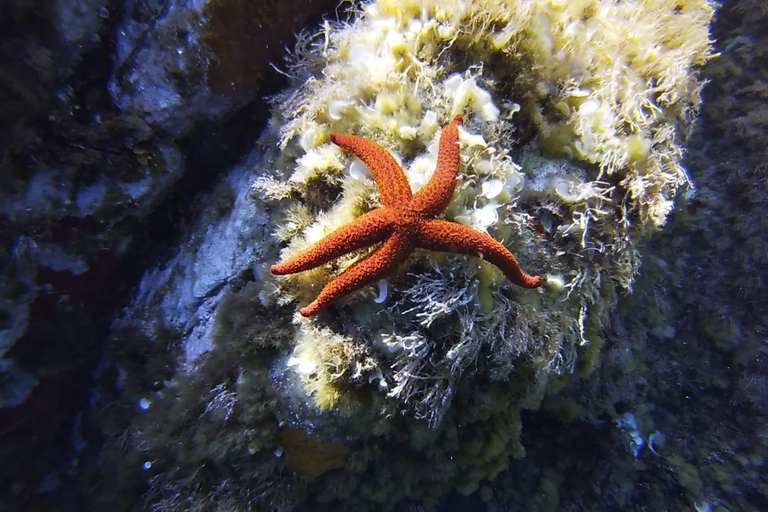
[407,221]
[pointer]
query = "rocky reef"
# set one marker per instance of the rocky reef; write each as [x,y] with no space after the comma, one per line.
[98,169]
[151,361]
[570,155]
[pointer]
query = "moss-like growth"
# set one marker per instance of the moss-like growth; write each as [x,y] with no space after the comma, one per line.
[547,499]
[309,456]
[687,475]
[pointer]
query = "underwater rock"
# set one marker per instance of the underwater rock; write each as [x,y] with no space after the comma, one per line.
[178,62]
[574,114]
[78,176]
[86,202]
[593,153]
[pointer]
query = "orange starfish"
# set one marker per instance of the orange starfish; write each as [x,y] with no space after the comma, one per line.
[407,221]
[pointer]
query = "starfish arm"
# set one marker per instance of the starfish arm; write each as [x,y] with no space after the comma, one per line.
[441,235]
[393,184]
[434,197]
[384,259]
[368,229]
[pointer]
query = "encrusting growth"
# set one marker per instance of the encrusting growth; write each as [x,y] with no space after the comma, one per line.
[406,222]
